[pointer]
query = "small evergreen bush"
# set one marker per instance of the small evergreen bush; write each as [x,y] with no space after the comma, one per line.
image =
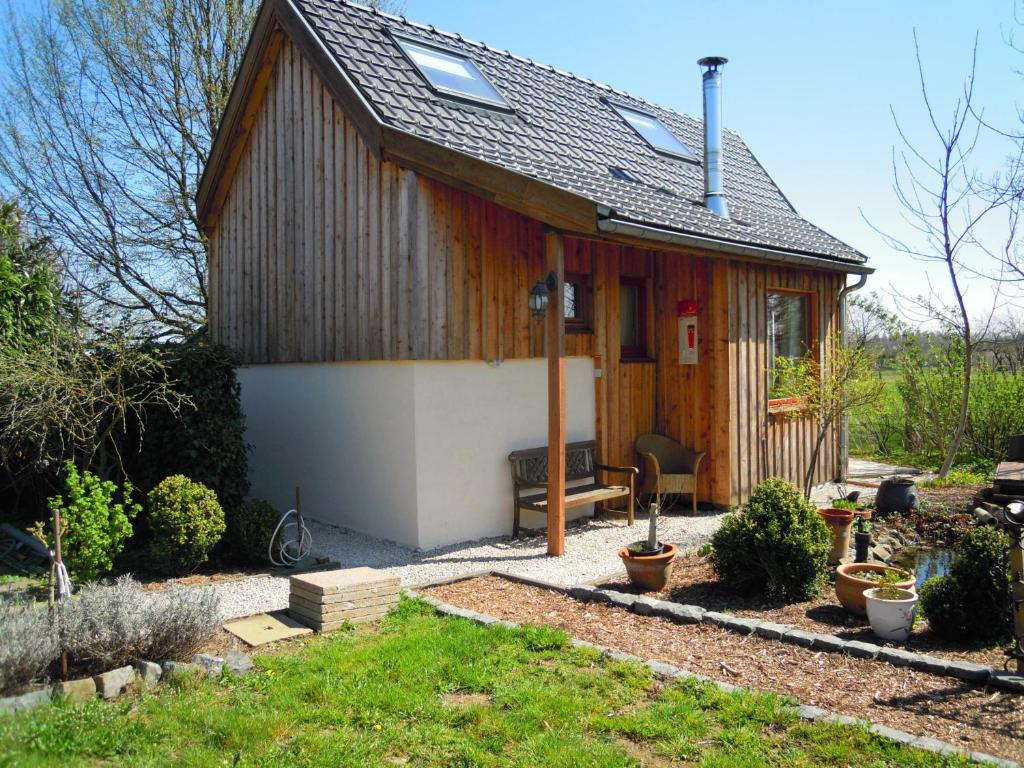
[777,545]
[28,644]
[110,626]
[94,526]
[973,601]
[186,521]
[249,528]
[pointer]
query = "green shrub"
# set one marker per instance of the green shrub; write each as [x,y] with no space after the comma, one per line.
[186,521]
[249,528]
[94,525]
[845,504]
[204,439]
[777,545]
[956,477]
[972,601]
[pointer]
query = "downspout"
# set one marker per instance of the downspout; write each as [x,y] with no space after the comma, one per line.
[844,428]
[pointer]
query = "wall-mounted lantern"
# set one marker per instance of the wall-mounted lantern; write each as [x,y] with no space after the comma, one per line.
[538,298]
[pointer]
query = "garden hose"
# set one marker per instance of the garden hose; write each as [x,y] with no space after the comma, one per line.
[294,541]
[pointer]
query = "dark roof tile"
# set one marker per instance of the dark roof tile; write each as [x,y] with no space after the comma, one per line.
[562,132]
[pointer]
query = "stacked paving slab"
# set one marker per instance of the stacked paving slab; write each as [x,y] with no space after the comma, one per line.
[327,599]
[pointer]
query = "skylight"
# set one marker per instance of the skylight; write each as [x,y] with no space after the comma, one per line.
[451,73]
[654,132]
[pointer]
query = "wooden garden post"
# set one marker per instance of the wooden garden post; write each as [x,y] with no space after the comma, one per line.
[555,255]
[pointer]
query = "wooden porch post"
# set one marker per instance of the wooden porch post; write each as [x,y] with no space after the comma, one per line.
[555,256]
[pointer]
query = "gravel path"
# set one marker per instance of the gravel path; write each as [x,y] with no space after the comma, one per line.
[590,553]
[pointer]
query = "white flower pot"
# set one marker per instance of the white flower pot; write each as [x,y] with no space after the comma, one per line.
[891,619]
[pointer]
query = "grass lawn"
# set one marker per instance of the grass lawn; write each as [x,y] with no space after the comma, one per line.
[433,691]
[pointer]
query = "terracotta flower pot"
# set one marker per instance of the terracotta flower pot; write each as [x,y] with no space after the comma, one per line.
[650,572]
[840,522]
[850,589]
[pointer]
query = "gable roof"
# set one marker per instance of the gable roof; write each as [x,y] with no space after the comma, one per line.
[561,131]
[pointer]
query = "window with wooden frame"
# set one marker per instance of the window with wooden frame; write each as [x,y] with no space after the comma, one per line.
[577,303]
[632,318]
[790,331]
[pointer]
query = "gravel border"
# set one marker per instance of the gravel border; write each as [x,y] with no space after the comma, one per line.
[663,670]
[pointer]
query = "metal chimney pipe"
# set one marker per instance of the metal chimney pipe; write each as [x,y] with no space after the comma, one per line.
[714,191]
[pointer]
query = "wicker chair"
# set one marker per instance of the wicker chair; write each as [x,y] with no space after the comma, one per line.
[668,467]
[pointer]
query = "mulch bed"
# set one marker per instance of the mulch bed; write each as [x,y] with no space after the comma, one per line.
[972,717]
[694,582]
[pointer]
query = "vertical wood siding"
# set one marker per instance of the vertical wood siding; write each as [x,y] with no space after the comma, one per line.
[324,252]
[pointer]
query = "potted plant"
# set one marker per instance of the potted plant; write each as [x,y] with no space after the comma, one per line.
[891,609]
[852,579]
[840,522]
[649,563]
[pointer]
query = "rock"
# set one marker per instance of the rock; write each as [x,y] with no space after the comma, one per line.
[649,606]
[965,670]
[716,618]
[115,682]
[620,599]
[583,592]
[861,650]
[1007,681]
[807,712]
[934,745]
[662,669]
[987,759]
[771,630]
[899,657]
[26,700]
[686,614]
[827,642]
[932,664]
[743,626]
[77,691]
[881,553]
[237,663]
[211,665]
[799,637]
[174,669]
[149,672]
[900,737]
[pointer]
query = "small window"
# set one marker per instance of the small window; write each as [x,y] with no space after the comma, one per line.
[654,132]
[632,319]
[789,330]
[451,73]
[577,304]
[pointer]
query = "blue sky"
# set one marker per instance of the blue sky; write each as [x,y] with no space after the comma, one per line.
[808,85]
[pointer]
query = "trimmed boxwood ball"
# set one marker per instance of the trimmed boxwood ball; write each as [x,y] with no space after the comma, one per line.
[973,601]
[249,528]
[777,545]
[186,522]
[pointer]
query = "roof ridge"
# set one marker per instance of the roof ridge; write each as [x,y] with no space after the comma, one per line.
[504,52]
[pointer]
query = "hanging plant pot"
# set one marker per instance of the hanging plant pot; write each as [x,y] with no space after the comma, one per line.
[840,522]
[650,572]
[892,618]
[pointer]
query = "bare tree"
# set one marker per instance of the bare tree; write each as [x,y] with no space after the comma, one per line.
[108,109]
[944,204]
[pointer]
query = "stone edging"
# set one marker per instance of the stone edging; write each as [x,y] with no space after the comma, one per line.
[116,682]
[663,670]
[695,614]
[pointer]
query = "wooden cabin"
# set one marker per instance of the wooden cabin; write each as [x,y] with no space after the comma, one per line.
[380,199]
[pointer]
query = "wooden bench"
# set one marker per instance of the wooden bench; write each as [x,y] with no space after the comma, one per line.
[530,471]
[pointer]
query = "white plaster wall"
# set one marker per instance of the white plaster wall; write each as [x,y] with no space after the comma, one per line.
[341,431]
[469,417]
[414,452]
